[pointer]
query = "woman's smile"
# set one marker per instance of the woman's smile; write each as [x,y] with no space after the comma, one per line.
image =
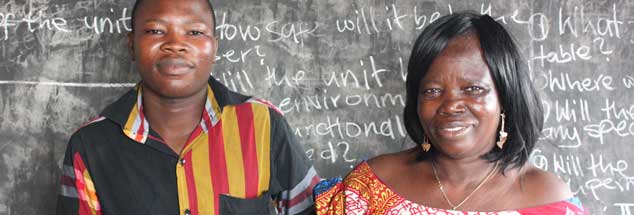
[453,132]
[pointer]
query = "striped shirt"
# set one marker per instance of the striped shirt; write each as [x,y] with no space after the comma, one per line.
[241,159]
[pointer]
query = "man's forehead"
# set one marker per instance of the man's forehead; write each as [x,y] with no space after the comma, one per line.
[193,10]
[165,7]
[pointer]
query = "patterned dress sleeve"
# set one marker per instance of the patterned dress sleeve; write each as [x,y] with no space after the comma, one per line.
[329,197]
[77,195]
[352,196]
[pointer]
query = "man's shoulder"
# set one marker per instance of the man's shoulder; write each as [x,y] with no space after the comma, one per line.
[226,97]
[264,103]
[261,106]
[119,110]
[96,128]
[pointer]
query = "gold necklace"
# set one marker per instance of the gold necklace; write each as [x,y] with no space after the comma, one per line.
[442,190]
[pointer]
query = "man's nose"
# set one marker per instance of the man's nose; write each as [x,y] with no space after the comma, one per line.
[175,43]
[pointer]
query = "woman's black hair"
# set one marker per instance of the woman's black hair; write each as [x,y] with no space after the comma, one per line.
[518,97]
[138,2]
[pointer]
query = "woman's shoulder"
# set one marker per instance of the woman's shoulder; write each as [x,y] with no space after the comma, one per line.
[546,193]
[541,187]
[387,166]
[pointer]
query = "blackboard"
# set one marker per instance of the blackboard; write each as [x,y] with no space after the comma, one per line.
[336,68]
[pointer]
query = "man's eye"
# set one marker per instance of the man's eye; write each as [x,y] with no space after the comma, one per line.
[196,33]
[153,31]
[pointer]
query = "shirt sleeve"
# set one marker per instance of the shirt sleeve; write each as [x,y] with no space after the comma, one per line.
[77,195]
[293,173]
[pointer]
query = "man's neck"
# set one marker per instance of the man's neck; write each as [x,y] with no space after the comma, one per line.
[174,119]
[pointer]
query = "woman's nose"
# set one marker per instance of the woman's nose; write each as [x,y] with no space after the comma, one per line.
[452,104]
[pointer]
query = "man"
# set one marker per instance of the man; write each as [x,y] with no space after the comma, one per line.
[180,142]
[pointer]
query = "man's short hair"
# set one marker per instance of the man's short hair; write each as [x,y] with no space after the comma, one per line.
[138,2]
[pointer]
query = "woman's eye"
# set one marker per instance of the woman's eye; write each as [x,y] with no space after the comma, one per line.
[475,90]
[430,93]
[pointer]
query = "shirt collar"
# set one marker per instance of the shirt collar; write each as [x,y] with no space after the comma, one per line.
[128,110]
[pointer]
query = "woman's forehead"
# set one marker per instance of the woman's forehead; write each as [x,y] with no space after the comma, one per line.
[461,59]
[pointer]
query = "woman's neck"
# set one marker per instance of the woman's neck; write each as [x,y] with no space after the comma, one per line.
[463,173]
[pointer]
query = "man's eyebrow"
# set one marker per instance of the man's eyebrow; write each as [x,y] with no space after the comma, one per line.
[165,21]
[155,20]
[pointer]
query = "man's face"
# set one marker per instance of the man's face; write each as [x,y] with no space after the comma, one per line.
[174,46]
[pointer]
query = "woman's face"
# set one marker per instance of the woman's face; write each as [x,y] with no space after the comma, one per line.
[458,103]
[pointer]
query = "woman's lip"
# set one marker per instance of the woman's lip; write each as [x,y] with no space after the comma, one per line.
[454,128]
[453,131]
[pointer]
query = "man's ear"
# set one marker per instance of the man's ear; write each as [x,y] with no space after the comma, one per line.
[131,44]
[215,49]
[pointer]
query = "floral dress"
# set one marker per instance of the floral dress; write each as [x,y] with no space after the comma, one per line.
[362,192]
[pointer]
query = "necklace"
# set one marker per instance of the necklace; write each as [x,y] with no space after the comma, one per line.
[442,190]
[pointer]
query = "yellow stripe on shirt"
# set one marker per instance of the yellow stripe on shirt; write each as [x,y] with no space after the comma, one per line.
[233,152]
[263,142]
[202,172]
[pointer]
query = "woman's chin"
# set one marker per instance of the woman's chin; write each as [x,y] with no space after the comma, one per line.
[458,150]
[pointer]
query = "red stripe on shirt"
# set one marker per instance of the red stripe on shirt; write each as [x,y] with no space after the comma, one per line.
[191,184]
[78,164]
[139,133]
[156,139]
[79,168]
[218,163]
[80,185]
[193,136]
[244,113]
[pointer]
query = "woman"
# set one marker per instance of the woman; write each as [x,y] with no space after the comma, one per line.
[475,118]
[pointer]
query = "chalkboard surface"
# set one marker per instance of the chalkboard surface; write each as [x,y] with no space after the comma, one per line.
[337,70]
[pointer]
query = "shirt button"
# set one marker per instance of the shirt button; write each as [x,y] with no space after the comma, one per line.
[183,161]
[187,212]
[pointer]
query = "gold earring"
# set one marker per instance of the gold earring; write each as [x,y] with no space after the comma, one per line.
[503,134]
[426,145]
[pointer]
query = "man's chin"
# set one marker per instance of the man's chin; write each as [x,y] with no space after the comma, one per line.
[179,93]
[177,90]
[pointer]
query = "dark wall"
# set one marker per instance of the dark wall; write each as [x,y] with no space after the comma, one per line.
[336,68]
